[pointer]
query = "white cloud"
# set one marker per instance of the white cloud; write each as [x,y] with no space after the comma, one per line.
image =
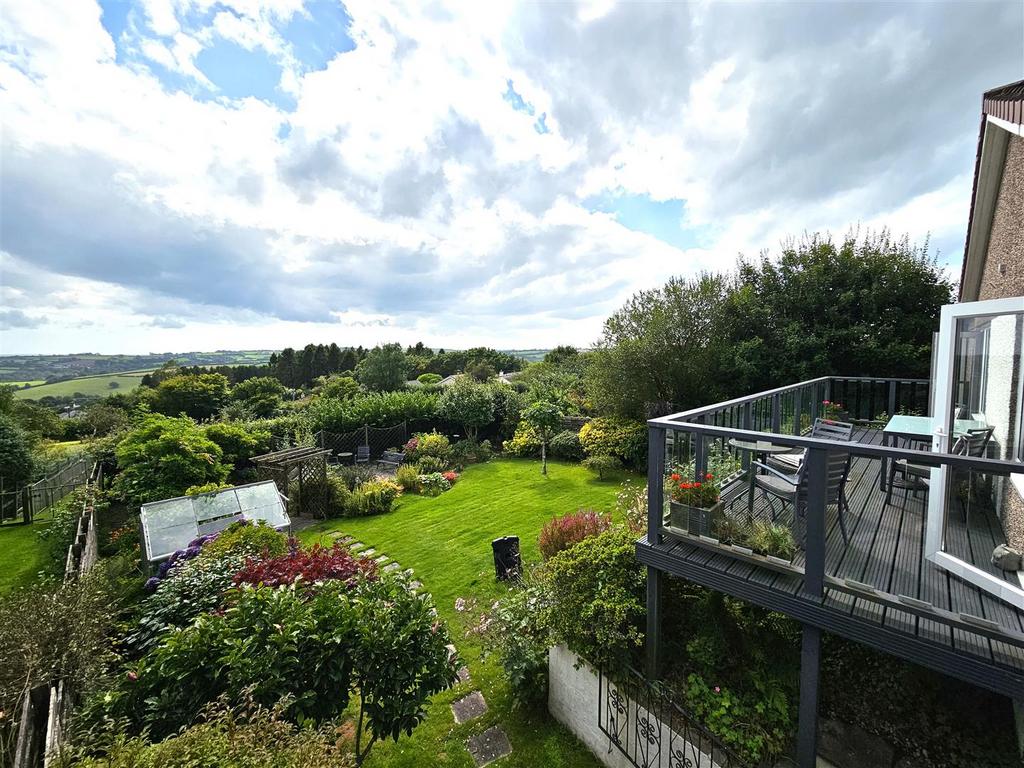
[404,197]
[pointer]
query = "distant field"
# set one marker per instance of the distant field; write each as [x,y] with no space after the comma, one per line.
[86,385]
[34,383]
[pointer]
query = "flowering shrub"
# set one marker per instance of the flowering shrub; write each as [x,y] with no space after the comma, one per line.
[246,538]
[311,565]
[434,484]
[426,444]
[563,532]
[431,464]
[450,476]
[374,497]
[623,438]
[524,443]
[408,477]
[703,494]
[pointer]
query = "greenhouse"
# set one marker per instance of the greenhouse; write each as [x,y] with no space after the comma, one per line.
[170,525]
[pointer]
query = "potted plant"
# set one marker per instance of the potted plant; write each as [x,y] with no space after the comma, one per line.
[834,411]
[693,504]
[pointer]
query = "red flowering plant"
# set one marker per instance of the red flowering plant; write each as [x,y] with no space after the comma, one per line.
[450,476]
[832,410]
[312,565]
[695,493]
[560,533]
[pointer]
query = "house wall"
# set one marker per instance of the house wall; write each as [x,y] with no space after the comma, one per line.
[1002,277]
[1003,274]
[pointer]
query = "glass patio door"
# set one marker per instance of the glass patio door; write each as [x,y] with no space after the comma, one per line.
[979,409]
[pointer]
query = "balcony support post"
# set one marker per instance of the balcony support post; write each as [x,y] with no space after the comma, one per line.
[700,459]
[776,414]
[810,668]
[748,424]
[814,521]
[797,412]
[655,481]
[892,398]
[653,638]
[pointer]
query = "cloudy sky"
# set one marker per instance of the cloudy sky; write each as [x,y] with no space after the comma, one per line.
[203,174]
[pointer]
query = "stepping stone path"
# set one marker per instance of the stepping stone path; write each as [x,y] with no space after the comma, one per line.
[469,707]
[485,747]
[489,746]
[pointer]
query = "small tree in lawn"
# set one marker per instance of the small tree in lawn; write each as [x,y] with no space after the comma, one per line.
[546,420]
[468,403]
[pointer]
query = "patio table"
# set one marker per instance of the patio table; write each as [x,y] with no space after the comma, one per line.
[917,429]
[756,448]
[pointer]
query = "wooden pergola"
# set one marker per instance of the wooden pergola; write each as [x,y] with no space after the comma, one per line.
[302,469]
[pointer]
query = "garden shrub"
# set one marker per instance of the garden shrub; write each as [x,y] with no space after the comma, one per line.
[374,497]
[622,438]
[248,539]
[310,648]
[312,565]
[428,444]
[377,409]
[595,598]
[513,630]
[431,465]
[239,442]
[434,484]
[771,539]
[189,589]
[470,452]
[560,533]
[199,490]
[566,445]
[602,466]
[60,533]
[337,492]
[408,477]
[524,443]
[631,503]
[353,475]
[244,736]
[163,456]
[467,402]
[429,379]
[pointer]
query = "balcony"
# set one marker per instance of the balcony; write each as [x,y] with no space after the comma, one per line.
[913,573]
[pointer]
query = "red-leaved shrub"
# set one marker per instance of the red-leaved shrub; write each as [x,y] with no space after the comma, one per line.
[318,563]
[562,532]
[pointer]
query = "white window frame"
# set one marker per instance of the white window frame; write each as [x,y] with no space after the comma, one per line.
[943,413]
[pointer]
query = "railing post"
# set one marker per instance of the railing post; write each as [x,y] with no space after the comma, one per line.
[814,517]
[700,459]
[655,481]
[747,424]
[797,412]
[776,414]
[892,398]
[807,728]
[653,638]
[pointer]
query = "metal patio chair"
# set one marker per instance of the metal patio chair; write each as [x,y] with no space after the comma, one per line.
[363,454]
[823,429]
[792,488]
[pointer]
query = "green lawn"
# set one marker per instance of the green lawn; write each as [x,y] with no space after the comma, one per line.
[24,555]
[85,385]
[447,541]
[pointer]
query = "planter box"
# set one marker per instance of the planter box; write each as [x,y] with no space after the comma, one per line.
[695,520]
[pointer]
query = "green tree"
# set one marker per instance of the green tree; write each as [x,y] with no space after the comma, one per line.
[261,395]
[469,403]
[663,347]
[865,307]
[200,396]
[16,463]
[238,442]
[339,387]
[480,370]
[546,420]
[561,354]
[163,456]
[383,369]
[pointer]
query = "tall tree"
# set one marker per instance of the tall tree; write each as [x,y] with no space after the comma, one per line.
[546,420]
[384,369]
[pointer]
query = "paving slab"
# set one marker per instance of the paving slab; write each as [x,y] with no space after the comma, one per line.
[489,746]
[368,552]
[391,567]
[469,707]
[463,674]
[381,559]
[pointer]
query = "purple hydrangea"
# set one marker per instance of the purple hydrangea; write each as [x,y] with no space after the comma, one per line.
[161,572]
[152,583]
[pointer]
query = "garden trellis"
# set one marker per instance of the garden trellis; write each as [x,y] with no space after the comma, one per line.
[169,525]
[300,474]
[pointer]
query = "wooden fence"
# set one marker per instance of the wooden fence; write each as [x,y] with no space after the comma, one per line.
[46,708]
[23,504]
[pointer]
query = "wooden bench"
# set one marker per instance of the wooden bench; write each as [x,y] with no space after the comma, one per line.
[391,459]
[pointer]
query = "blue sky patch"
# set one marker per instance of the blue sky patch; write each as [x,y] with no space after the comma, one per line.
[114,18]
[540,125]
[662,219]
[239,73]
[318,37]
[519,104]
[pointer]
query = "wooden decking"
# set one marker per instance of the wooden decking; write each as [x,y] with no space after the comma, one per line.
[885,551]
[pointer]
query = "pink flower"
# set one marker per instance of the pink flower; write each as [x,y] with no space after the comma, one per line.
[133,675]
[717,689]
